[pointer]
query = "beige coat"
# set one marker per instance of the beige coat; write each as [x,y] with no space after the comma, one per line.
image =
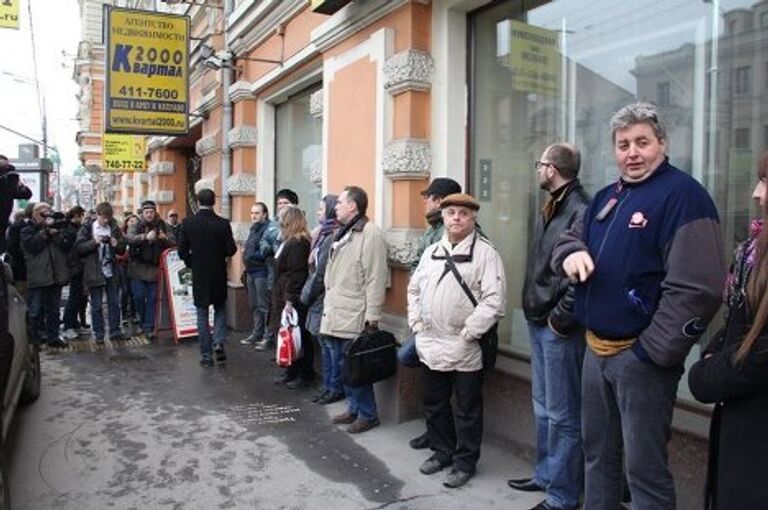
[355,281]
[446,323]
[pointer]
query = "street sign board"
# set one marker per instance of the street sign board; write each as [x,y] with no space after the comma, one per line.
[124,153]
[147,65]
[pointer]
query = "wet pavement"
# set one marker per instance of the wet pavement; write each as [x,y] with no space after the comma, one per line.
[138,426]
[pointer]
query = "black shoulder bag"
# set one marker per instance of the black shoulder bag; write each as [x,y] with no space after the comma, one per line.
[489,342]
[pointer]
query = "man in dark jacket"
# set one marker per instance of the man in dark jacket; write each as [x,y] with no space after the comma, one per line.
[205,242]
[18,266]
[557,340]
[147,240]
[11,188]
[256,272]
[98,243]
[46,245]
[74,301]
[649,261]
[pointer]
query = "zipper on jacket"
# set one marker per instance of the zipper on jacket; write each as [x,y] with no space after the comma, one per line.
[602,244]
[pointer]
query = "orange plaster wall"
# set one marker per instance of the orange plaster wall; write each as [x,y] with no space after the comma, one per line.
[244,160]
[351,130]
[408,210]
[244,113]
[412,115]
[396,301]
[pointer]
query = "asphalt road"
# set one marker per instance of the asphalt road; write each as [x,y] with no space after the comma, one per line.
[145,427]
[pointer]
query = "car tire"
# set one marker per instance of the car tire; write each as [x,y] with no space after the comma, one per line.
[31,389]
[5,488]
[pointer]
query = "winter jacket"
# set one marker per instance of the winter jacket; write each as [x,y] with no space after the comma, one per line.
[659,266]
[431,235]
[446,323]
[205,242]
[46,255]
[145,254]
[547,296]
[355,280]
[88,251]
[291,270]
[11,188]
[254,258]
[18,266]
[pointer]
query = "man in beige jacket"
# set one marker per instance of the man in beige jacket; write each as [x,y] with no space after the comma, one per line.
[355,283]
[448,326]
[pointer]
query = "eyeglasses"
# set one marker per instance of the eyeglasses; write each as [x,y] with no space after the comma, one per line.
[537,165]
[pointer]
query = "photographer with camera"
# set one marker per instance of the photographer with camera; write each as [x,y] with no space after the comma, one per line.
[98,243]
[11,189]
[147,240]
[46,242]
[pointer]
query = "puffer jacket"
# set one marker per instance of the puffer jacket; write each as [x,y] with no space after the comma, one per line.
[355,281]
[446,323]
[87,249]
[145,255]
[46,255]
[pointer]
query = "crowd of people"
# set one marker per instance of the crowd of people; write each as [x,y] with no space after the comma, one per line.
[618,289]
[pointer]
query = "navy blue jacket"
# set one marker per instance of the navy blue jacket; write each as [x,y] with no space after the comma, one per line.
[254,258]
[659,266]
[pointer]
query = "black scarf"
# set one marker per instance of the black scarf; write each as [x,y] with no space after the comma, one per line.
[345,228]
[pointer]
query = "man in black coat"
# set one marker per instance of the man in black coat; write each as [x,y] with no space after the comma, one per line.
[205,242]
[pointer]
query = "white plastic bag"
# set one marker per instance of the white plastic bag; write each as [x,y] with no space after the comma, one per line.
[288,340]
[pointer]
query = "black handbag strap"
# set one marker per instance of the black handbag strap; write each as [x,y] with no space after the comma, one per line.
[452,266]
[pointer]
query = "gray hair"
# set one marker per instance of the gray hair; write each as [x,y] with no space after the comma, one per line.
[638,113]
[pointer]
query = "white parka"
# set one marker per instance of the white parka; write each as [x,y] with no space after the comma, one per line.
[446,323]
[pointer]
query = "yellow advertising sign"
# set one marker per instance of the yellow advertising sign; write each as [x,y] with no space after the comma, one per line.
[147,72]
[124,153]
[535,59]
[9,14]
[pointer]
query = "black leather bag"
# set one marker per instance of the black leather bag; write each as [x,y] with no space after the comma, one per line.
[370,358]
[489,342]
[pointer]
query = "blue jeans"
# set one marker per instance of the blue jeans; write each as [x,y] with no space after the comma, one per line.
[43,312]
[74,301]
[145,299]
[258,297]
[407,355]
[361,400]
[331,352]
[626,398]
[556,386]
[113,309]
[204,331]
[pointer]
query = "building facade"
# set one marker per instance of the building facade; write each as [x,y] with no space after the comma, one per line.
[388,94]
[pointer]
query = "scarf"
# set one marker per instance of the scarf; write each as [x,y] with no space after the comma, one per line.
[743,262]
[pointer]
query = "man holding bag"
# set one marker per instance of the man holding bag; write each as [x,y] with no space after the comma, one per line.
[353,298]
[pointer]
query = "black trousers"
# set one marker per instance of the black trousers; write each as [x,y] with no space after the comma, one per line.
[455,436]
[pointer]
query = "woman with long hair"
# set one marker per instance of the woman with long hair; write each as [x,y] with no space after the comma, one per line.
[291,270]
[733,374]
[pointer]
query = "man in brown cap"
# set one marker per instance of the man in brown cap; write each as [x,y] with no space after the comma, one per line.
[455,296]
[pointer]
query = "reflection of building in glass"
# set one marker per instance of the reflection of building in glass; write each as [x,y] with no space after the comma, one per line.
[679,82]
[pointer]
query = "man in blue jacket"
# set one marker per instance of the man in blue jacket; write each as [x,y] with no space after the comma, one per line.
[648,260]
[255,262]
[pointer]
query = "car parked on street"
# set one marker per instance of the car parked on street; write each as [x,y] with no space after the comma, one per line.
[20,364]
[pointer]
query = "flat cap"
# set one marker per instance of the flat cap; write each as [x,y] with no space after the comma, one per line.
[461,199]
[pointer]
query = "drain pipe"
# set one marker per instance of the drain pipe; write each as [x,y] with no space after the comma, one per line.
[226,120]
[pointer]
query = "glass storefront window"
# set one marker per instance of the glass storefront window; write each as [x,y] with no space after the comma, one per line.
[298,150]
[547,71]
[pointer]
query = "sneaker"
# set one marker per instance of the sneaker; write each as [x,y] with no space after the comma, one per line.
[70,334]
[344,418]
[456,479]
[360,425]
[432,465]
[330,398]
[57,343]
[264,345]
[249,340]
[84,330]
[218,351]
[206,363]
[419,443]
[99,341]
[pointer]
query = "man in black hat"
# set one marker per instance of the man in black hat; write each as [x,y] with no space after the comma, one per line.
[147,240]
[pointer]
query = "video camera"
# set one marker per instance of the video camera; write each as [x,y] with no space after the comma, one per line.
[56,219]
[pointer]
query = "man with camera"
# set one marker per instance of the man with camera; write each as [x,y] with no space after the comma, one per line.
[46,242]
[11,188]
[98,242]
[147,240]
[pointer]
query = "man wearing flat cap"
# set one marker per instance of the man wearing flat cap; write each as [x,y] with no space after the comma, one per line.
[448,326]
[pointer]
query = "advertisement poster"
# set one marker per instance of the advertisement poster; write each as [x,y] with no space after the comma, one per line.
[535,59]
[124,153]
[9,14]
[33,181]
[178,286]
[147,64]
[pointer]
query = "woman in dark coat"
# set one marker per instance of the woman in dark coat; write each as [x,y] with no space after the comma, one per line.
[291,270]
[733,374]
